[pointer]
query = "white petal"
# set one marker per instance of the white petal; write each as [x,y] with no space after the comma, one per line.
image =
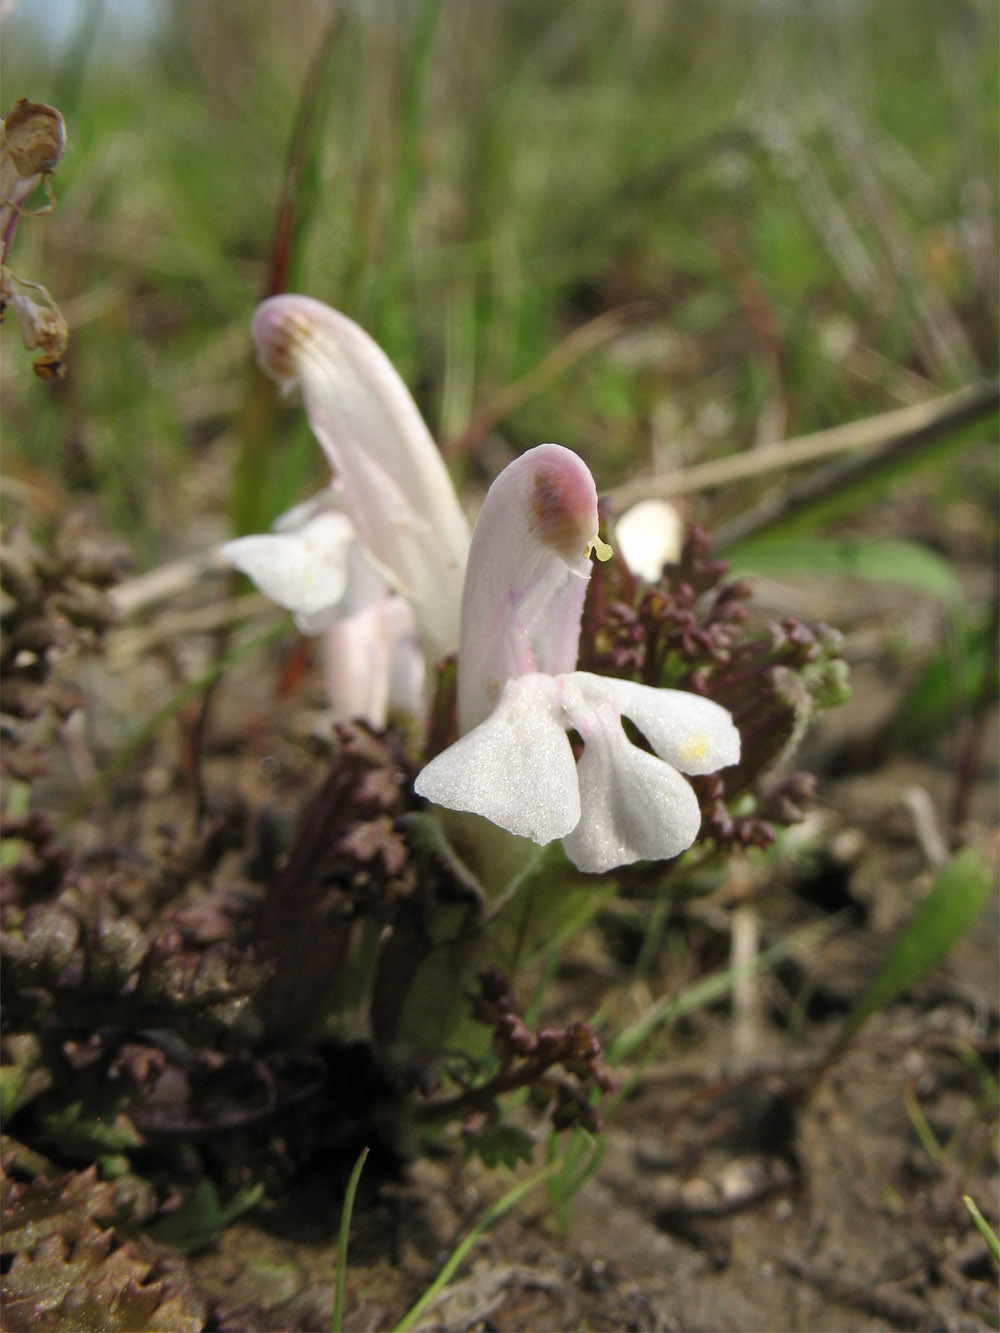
[516,768]
[305,570]
[649,536]
[694,734]
[634,807]
[330,500]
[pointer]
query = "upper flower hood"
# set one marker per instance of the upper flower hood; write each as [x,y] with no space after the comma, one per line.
[528,569]
[397,492]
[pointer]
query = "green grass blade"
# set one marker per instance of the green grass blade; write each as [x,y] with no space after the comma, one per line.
[902,562]
[260,470]
[984,1228]
[712,988]
[940,921]
[492,1214]
[394,321]
[337,1318]
[301,188]
[580,1160]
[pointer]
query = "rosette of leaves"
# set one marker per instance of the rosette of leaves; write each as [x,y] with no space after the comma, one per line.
[123,994]
[53,607]
[66,1266]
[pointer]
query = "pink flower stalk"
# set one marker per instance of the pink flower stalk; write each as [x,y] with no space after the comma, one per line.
[373,662]
[520,696]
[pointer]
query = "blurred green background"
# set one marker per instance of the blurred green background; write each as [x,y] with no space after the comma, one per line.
[696,227]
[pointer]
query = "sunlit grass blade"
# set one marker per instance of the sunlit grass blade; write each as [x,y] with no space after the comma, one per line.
[493,1214]
[712,988]
[954,902]
[256,484]
[902,562]
[845,486]
[337,1319]
[983,1227]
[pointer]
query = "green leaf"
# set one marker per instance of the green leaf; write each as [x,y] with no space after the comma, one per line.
[501,1143]
[90,1134]
[19,1084]
[198,1222]
[938,924]
[44,1208]
[901,562]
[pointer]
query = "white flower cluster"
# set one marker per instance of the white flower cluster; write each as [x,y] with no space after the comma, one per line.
[382,561]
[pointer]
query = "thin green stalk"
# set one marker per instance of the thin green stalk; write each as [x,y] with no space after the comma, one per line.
[921,1126]
[255,482]
[337,1319]
[983,1227]
[712,988]
[582,1148]
[394,323]
[300,189]
[492,1214]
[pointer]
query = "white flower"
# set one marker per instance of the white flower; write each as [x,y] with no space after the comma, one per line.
[649,536]
[529,564]
[396,489]
[519,695]
[619,803]
[375,562]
